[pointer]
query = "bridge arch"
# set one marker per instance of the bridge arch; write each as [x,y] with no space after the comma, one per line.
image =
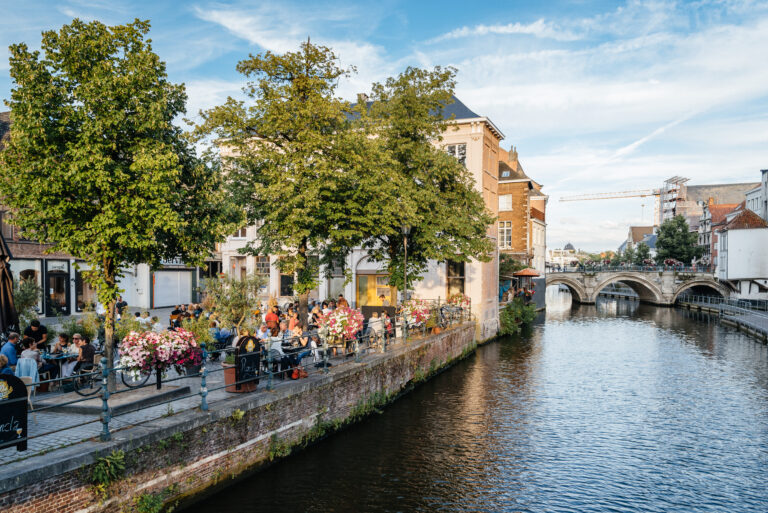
[709,284]
[576,288]
[646,290]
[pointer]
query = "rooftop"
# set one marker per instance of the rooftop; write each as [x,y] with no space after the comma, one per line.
[745,220]
[718,212]
[638,232]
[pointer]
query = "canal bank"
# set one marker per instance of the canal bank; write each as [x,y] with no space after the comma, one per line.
[617,406]
[177,457]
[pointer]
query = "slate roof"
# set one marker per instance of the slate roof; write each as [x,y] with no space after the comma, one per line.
[457,109]
[569,246]
[514,174]
[5,127]
[650,240]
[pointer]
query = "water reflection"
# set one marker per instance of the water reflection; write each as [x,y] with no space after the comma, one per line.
[617,406]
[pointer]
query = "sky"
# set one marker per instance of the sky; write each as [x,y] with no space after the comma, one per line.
[596,96]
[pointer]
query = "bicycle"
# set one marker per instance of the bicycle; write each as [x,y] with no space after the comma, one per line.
[133,381]
[87,382]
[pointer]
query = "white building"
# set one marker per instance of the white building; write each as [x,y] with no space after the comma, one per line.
[474,141]
[742,259]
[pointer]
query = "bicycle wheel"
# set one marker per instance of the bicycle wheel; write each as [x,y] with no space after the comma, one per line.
[87,381]
[132,381]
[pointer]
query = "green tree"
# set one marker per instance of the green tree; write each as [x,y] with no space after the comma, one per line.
[435,193]
[26,297]
[628,256]
[95,165]
[233,299]
[297,162]
[642,253]
[508,265]
[676,240]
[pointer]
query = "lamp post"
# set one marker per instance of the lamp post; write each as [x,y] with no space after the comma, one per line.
[406,230]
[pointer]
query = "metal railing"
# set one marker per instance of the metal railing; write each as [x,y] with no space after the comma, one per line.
[630,268]
[274,366]
[755,316]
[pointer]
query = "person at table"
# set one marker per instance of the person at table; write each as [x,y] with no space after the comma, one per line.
[86,355]
[263,333]
[272,319]
[11,349]
[64,347]
[4,367]
[341,302]
[38,332]
[285,335]
[30,351]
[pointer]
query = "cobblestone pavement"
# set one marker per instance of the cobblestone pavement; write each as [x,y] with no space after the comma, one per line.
[49,430]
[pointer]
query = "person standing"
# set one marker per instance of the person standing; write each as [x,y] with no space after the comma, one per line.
[38,332]
[121,305]
[272,319]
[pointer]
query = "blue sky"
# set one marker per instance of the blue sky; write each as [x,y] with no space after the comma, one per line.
[596,96]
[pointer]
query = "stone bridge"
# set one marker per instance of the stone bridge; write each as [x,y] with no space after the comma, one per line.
[658,287]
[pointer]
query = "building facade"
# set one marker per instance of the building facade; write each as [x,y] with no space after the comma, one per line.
[742,260]
[522,214]
[474,141]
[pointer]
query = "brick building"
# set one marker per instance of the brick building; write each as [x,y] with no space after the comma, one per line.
[522,213]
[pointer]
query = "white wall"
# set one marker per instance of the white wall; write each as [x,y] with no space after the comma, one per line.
[746,256]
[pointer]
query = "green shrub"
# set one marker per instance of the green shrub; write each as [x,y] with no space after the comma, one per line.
[26,297]
[515,315]
[200,328]
[108,469]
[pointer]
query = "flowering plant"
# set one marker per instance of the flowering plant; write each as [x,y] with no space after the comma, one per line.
[415,311]
[148,351]
[343,322]
[458,299]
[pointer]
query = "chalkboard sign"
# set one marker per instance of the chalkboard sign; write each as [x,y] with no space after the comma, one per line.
[13,412]
[247,361]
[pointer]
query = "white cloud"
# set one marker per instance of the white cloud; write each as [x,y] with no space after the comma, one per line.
[538,28]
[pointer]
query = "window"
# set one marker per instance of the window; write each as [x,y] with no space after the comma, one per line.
[505,234]
[505,202]
[505,174]
[261,265]
[239,234]
[458,151]
[455,275]
[286,285]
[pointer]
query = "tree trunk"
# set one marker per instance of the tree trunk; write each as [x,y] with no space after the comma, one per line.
[304,308]
[109,341]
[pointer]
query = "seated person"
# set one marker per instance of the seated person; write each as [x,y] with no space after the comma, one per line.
[63,346]
[263,333]
[4,367]
[87,354]
[157,326]
[374,326]
[11,349]
[30,351]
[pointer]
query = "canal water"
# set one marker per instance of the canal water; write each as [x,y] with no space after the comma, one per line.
[615,407]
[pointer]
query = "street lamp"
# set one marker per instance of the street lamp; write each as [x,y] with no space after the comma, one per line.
[406,230]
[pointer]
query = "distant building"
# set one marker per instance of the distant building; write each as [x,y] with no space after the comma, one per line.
[522,213]
[637,234]
[561,258]
[713,218]
[742,259]
[677,198]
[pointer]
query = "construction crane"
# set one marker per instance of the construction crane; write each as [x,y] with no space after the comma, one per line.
[612,195]
[642,193]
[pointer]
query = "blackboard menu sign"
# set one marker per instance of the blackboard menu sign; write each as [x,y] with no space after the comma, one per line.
[13,412]
[247,361]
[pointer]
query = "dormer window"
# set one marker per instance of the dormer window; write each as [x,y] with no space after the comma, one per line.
[505,174]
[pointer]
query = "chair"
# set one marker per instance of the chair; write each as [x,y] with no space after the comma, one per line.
[29,383]
[27,367]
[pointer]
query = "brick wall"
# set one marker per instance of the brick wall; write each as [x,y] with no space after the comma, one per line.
[192,452]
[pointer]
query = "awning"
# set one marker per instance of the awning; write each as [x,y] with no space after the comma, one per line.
[526,272]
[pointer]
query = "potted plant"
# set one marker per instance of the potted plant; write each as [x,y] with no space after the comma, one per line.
[432,325]
[341,325]
[230,378]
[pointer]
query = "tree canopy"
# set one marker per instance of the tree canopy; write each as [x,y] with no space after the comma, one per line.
[95,165]
[435,194]
[676,240]
[298,163]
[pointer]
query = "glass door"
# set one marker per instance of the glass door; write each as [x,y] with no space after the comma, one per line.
[57,297]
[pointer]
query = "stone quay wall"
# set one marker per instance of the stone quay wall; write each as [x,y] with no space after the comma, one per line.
[174,459]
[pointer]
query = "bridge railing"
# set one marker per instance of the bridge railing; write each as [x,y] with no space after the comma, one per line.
[751,305]
[630,268]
